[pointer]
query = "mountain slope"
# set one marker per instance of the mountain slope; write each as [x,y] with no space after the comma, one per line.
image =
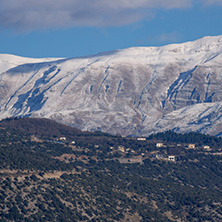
[100,177]
[132,91]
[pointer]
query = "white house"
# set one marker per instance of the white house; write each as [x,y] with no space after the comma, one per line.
[62,138]
[159,145]
[191,146]
[206,147]
[121,149]
[141,139]
[172,158]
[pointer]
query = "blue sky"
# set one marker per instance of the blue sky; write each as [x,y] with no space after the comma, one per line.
[72,28]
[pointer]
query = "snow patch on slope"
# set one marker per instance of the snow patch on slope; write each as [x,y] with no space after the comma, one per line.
[9,61]
[204,118]
[131,91]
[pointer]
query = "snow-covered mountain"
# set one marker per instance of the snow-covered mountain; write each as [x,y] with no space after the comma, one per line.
[132,91]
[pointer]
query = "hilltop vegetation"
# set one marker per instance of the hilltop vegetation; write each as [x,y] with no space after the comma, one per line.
[51,172]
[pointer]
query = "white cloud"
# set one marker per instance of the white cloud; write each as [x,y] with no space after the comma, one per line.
[41,14]
[212,2]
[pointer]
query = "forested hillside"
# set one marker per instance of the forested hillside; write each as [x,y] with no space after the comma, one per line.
[51,172]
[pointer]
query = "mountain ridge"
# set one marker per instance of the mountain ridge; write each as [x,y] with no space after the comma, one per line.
[134,91]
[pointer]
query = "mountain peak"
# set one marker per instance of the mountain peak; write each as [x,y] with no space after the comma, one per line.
[134,91]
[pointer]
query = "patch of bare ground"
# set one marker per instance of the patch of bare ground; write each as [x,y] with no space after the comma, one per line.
[136,159]
[66,157]
[154,205]
[21,175]
[35,139]
[131,217]
[171,217]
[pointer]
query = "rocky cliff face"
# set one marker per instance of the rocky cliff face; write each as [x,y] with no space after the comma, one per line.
[133,91]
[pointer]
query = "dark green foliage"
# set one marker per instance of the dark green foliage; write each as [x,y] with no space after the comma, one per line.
[192,137]
[17,151]
[92,185]
[45,128]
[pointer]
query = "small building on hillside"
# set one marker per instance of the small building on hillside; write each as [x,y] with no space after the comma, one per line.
[141,139]
[172,158]
[207,148]
[159,145]
[121,149]
[62,138]
[191,146]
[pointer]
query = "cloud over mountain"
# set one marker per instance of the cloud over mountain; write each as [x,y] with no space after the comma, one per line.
[41,14]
